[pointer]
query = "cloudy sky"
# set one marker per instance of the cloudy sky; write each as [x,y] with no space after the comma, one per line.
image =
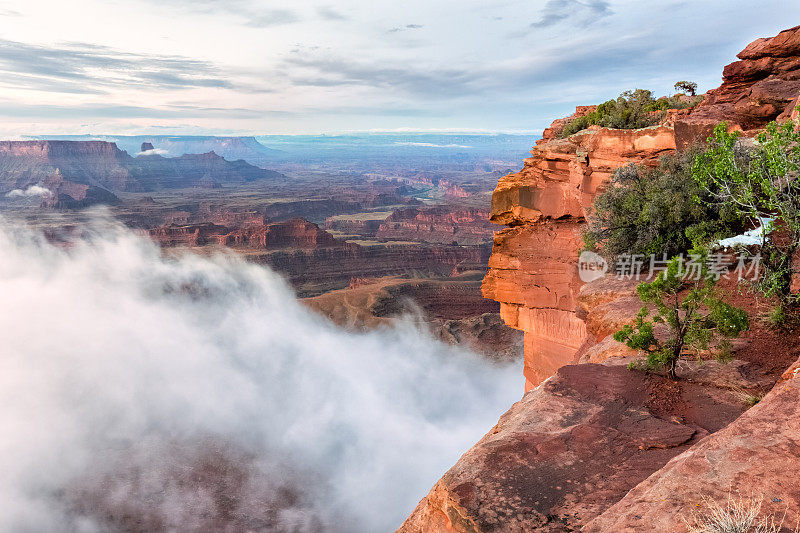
[279,66]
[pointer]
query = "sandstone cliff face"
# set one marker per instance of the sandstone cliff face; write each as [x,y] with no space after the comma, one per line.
[533,272]
[533,268]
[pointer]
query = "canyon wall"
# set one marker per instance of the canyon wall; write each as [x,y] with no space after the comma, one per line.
[441,224]
[102,165]
[533,269]
[314,261]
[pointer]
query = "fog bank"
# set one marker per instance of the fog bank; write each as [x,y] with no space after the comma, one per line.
[194,392]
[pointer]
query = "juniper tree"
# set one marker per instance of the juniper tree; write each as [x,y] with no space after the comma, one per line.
[686,87]
[694,317]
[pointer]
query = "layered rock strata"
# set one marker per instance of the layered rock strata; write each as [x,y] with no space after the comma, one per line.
[533,269]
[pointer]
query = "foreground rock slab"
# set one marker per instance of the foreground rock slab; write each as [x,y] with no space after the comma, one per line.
[755,457]
[569,450]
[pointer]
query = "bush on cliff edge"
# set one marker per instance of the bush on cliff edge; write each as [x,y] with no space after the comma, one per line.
[695,317]
[656,212]
[630,110]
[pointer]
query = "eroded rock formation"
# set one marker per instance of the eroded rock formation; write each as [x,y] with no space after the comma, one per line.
[762,86]
[533,268]
[101,164]
[440,224]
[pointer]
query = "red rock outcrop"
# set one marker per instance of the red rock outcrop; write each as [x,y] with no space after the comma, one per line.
[569,450]
[533,268]
[762,86]
[755,457]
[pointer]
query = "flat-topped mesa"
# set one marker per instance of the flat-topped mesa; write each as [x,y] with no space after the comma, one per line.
[533,268]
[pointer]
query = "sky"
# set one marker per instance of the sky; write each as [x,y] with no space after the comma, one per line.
[317,66]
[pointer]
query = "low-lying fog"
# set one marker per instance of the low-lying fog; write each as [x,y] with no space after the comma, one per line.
[144,393]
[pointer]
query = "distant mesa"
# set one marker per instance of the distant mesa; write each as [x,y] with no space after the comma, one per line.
[102,165]
[230,148]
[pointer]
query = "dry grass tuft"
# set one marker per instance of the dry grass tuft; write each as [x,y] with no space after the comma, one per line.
[738,515]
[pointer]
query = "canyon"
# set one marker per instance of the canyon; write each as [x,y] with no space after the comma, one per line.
[325,230]
[593,446]
[101,165]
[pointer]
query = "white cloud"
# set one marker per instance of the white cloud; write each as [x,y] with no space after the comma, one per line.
[154,151]
[432,145]
[33,190]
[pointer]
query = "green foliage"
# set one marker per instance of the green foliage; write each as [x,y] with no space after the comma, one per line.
[630,110]
[656,211]
[757,183]
[694,317]
[686,87]
[752,400]
[724,353]
[776,317]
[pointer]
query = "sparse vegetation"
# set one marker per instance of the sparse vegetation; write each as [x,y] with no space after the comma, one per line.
[694,317]
[724,353]
[630,110]
[738,515]
[656,211]
[752,399]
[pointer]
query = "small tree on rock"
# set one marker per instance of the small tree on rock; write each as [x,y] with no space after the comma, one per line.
[694,318]
[686,87]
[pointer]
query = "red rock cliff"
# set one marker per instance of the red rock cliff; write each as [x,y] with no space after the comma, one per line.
[533,268]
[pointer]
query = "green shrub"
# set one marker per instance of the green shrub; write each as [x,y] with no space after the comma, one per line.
[757,183]
[630,110]
[656,211]
[694,318]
